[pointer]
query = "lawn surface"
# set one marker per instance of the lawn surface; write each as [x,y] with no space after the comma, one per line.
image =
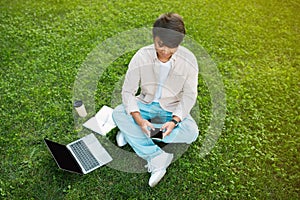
[254,45]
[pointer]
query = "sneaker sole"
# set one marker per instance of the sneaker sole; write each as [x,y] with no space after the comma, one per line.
[157,179]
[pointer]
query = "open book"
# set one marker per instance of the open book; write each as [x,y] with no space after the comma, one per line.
[102,122]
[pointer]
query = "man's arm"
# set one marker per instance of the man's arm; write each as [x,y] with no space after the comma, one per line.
[129,89]
[189,91]
[131,84]
[188,99]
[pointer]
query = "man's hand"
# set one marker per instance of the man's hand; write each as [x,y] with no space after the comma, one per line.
[168,126]
[144,124]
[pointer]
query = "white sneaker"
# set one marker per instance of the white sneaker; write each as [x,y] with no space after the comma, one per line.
[157,166]
[120,139]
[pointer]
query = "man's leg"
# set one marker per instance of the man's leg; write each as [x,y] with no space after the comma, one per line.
[138,140]
[144,146]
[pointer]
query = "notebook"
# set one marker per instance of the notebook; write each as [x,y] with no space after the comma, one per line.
[102,122]
[81,156]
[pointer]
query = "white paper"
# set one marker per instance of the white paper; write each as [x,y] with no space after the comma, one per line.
[102,122]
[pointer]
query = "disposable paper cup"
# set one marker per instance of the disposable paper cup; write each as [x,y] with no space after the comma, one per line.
[79,107]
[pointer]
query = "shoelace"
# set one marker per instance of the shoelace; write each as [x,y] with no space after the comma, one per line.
[148,166]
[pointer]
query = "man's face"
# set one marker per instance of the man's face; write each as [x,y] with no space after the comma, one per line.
[164,53]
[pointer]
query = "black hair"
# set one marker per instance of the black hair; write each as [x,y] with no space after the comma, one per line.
[170,29]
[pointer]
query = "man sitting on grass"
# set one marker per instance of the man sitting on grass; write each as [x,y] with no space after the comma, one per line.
[167,75]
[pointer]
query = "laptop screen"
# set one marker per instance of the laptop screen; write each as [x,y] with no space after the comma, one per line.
[63,156]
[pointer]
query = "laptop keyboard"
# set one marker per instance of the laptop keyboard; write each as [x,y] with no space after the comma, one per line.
[83,154]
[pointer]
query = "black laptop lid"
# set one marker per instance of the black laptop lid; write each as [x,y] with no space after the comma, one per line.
[63,156]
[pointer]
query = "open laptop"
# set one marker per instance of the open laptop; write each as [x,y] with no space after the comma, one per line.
[81,156]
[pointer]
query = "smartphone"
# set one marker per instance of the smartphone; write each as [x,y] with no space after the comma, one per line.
[156,133]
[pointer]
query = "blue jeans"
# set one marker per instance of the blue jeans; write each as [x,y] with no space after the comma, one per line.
[186,132]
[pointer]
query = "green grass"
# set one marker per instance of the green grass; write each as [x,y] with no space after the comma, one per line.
[255,45]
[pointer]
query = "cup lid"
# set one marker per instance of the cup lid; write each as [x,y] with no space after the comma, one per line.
[77,103]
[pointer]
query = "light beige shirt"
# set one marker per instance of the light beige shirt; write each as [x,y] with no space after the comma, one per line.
[179,92]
